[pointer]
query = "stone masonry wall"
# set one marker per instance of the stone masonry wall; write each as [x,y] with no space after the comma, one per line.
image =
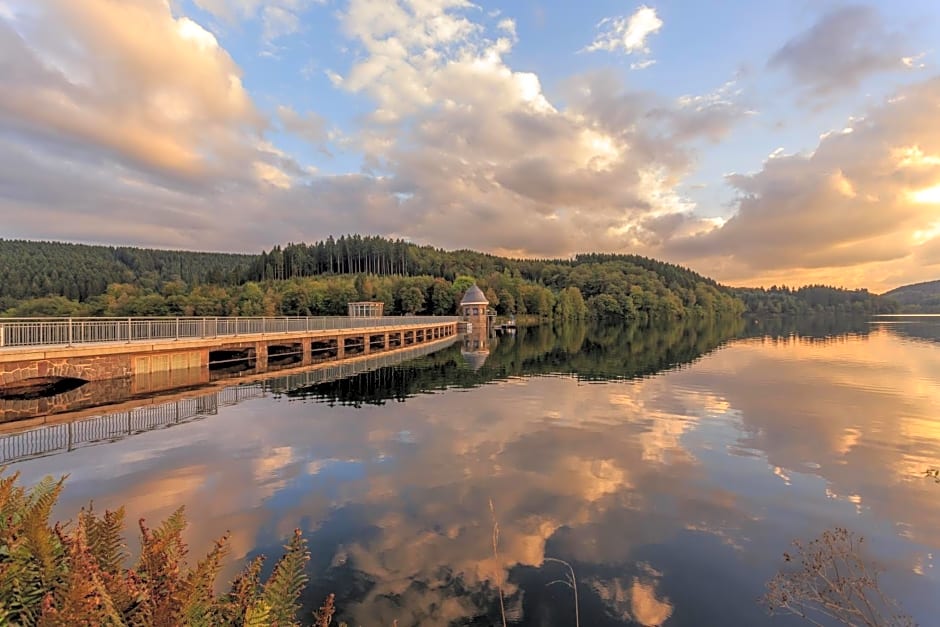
[87,368]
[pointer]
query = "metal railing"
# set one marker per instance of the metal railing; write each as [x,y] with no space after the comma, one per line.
[71,331]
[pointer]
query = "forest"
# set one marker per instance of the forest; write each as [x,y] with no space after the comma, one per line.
[60,279]
[813,299]
[917,298]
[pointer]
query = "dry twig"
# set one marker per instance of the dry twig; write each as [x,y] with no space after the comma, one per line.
[831,579]
[571,582]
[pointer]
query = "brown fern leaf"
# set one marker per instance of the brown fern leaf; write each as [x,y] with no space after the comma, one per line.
[247,585]
[324,616]
[81,599]
[131,596]
[162,555]
[245,592]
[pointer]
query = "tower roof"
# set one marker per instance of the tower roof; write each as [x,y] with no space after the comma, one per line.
[474,296]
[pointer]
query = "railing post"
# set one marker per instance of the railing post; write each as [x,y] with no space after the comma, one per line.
[177,327]
[70,331]
[129,329]
[203,328]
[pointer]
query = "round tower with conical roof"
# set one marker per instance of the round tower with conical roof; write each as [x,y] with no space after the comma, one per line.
[473,307]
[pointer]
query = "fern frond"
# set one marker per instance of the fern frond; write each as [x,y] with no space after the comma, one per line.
[162,555]
[81,598]
[105,538]
[258,615]
[10,495]
[198,605]
[287,581]
[31,552]
[247,585]
[42,498]
[244,593]
[174,524]
[324,616]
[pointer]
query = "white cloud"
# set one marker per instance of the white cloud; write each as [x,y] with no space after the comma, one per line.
[187,115]
[508,25]
[626,34]
[475,145]
[459,148]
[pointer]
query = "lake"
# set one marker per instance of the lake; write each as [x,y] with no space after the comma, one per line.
[671,468]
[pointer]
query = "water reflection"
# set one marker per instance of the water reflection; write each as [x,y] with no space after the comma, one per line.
[672,494]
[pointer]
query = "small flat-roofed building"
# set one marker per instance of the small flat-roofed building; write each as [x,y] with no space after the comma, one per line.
[366,309]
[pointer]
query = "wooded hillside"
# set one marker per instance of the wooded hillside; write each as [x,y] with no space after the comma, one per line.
[319,279]
[918,297]
[58,279]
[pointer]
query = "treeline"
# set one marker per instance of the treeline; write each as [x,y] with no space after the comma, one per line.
[319,279]
[813,299]
[79,272]
[612,291]
[917,298]
[50,278]
[355,254]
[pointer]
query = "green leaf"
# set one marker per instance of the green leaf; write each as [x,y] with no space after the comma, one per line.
[287,581]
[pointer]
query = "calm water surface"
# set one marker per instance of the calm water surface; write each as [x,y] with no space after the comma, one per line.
[671,469]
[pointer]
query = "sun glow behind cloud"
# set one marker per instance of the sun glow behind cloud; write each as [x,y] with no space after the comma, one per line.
[927,195]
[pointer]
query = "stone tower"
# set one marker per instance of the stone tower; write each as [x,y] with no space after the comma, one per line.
[473,307]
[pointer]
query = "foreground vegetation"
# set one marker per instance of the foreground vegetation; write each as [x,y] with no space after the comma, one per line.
[76,574]
[830,579]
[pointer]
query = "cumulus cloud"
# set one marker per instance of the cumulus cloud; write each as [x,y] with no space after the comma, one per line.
[136,128]
[460,149]
[861,199]
[133,82]
[845,46]
[474,144]
[626,34]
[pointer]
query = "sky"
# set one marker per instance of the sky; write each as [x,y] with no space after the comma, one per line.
[783,142]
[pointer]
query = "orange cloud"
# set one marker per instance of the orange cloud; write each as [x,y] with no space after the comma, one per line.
[857,211]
